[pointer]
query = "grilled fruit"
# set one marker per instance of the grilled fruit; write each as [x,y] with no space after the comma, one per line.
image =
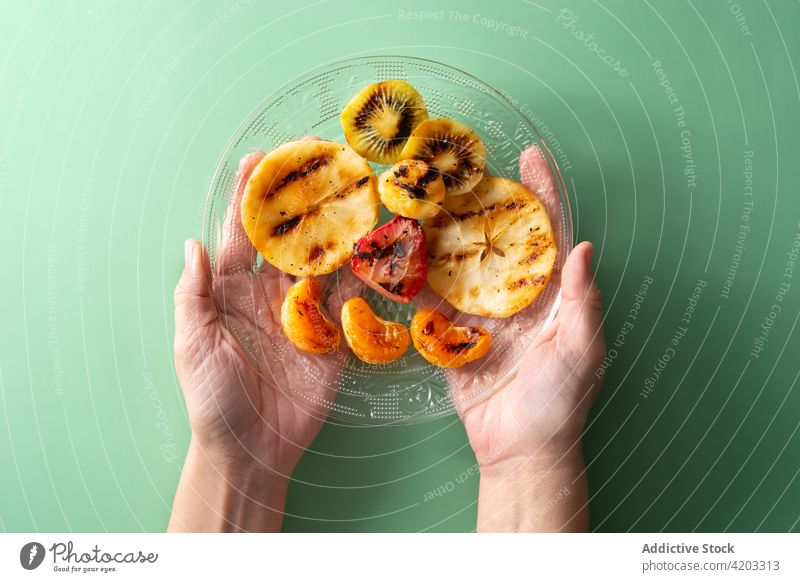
[413,189]
[372,339]
[391,260]
[444,344]
[491,250]
[303,322]
[452,149]
[378,121]
[307,203]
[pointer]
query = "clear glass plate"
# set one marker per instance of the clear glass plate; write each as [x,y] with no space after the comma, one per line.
[409,389]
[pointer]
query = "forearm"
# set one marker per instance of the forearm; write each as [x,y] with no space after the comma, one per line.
[545,494]
[218,496]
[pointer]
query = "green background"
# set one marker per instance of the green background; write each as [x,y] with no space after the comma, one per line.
[114,114]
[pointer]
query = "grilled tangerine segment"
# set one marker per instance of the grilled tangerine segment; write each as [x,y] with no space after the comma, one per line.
[303,322]
[372,339]
[444,344]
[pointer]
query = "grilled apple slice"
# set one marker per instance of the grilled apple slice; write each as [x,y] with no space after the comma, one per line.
[372,339]
[307,203]
[491,250]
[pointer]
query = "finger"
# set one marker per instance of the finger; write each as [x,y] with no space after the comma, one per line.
[194,306]
[580,315]
[537,176]
[235,251]
[344,285]
[273,285]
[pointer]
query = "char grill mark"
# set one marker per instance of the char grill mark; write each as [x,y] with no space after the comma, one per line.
[303,171]
[523,282]
[416,190]
[352,187]
[285,226]
[393,288]
[315,253]
[378,252]
[460,347]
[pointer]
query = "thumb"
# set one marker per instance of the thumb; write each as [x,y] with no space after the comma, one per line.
[580,316]
[194,307]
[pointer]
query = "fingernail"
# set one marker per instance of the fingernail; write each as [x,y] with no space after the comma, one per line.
[188,253]
[589,257]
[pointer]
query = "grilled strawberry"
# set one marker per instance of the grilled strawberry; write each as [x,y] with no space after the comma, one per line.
[392,259]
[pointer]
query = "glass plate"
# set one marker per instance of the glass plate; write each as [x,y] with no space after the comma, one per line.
[409,389]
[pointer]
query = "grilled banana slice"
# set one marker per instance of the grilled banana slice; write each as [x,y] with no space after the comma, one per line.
[453,149]
[413,189]
[378,121]
[307,203]
[372,339]
[491,250]
[303,322]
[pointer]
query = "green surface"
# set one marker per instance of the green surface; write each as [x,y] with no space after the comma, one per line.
[113,117]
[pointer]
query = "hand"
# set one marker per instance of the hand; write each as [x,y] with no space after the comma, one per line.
[542,411]
[248,433]
[527,435]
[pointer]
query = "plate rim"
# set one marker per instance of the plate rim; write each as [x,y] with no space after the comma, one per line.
[333,416]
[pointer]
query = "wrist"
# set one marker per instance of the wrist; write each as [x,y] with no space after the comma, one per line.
[237,459]
[537,460]
[546,491]
[227,493]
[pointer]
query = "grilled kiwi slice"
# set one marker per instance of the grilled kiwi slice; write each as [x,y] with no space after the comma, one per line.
[451,148]
[378,121]
[307,203]
[413,189]
[491,250]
